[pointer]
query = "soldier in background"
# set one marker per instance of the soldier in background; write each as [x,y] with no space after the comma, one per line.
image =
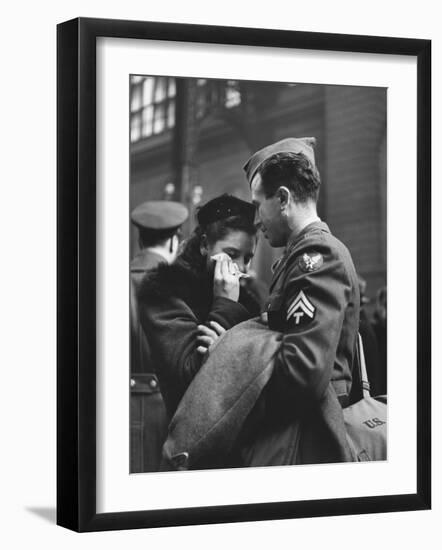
[380,328]
[158,224]
[369,341]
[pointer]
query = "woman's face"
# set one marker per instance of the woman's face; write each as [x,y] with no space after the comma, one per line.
[238,244]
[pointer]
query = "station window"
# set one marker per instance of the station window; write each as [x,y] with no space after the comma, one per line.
[152,105]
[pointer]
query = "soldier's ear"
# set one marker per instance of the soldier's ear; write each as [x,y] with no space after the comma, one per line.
[174,244]
[203,245]
[283,195]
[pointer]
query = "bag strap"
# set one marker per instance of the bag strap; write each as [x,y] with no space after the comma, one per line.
[365,384]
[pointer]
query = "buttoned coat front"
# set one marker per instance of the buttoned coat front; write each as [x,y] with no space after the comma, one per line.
[148,418]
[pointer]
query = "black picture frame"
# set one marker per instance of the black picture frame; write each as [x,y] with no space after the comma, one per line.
[76,273]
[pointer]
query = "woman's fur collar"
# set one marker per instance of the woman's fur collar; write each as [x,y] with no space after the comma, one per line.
[187,283]
[177,279]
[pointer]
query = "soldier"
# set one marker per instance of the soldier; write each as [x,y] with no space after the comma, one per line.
[158,224]
[314,300]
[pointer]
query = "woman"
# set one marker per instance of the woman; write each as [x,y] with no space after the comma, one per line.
[186,306]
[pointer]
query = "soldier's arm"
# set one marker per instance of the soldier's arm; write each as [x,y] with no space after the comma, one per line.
[312,307]
[227,312]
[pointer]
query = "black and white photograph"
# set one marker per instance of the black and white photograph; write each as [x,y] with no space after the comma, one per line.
[221,248]
[258,273]
[226,351]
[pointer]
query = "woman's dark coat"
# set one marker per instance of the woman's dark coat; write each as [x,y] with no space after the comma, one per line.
[173,301]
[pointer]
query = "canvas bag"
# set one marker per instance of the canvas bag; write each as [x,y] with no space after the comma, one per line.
[366,420]
[219,399]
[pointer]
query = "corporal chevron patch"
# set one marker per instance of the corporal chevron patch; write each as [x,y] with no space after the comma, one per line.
[301,309]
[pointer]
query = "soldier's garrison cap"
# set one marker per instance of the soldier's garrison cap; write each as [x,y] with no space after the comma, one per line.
[159,215]
[303,145]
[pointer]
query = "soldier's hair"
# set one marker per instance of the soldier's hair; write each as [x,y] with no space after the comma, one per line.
[292,170]
[152,237]
[191,253]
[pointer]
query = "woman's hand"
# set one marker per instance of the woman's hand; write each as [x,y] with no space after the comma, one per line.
[226,277]
[208,336]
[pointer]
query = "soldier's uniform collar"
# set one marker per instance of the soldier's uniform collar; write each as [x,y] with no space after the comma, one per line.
[296,237]
[144,258]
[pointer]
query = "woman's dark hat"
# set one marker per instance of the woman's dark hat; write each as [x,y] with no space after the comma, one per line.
[224,207]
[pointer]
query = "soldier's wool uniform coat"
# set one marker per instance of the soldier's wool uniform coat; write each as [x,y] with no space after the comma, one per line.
[148,413]
[314,301]
[144,261]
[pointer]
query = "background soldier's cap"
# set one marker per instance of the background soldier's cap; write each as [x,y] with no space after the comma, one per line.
[159,215]
[290,145]
[223,207]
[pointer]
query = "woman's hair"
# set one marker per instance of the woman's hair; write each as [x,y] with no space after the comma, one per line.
[215,231]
